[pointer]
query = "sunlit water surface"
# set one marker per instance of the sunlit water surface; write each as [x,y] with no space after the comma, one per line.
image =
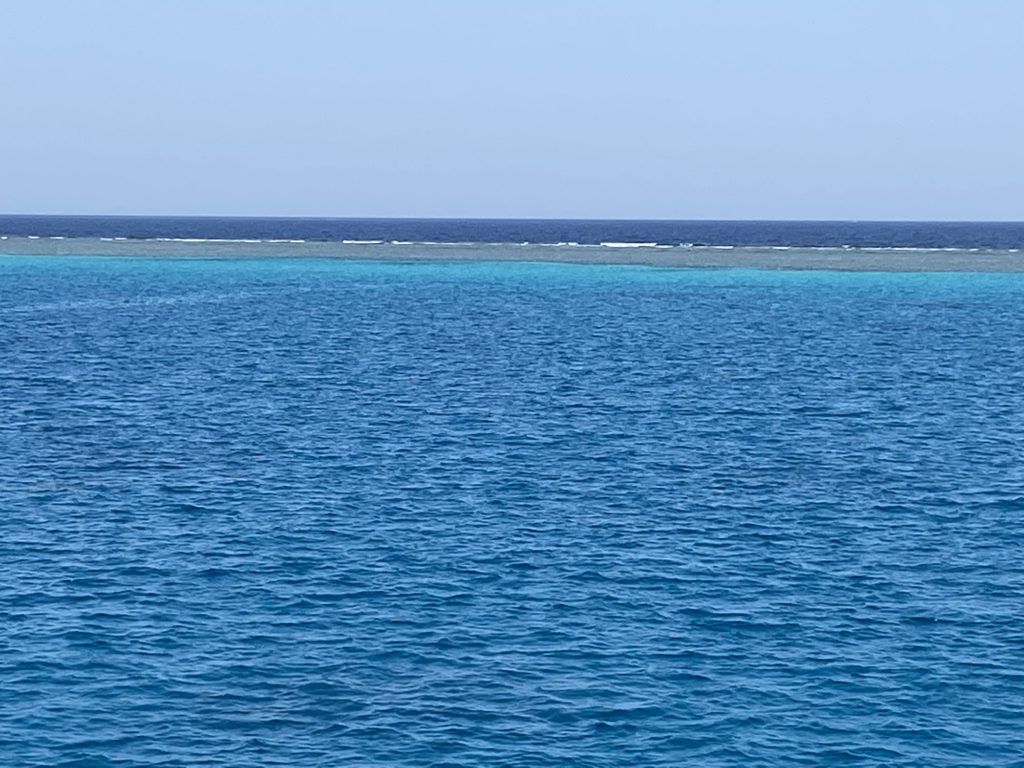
[321,513]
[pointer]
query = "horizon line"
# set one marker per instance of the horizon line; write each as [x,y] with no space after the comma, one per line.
[504,218]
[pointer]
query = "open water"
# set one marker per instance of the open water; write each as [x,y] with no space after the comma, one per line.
[830,234]
[321,512]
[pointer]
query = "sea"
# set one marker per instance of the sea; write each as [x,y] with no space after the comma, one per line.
[285,492]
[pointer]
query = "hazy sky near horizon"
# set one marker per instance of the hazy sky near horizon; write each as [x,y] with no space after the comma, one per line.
[903,109]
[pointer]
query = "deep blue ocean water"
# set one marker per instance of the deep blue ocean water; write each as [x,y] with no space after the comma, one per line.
[851,234]
[322,512]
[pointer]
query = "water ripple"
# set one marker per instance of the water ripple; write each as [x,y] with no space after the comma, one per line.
[313,513]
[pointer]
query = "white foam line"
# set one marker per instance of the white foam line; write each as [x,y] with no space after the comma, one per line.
[561,244]
[208,240]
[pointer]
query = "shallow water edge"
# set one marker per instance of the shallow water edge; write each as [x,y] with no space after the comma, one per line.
[893,259]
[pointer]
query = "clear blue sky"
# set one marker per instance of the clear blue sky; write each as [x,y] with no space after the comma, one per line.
[860,109]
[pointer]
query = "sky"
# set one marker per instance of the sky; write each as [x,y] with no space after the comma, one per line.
[721,109]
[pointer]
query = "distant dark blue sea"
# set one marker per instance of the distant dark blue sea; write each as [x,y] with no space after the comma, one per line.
[322,511]
[851,234]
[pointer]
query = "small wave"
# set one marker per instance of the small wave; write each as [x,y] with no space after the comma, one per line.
[362,242]
[207,240]
[459,243]
[194,297]
[628,245]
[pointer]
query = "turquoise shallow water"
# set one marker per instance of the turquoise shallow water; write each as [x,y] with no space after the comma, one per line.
[318,512]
